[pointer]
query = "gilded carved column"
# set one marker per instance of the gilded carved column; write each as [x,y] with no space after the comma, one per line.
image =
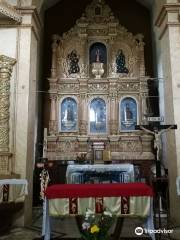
[83,115]
[83,111]
[113,107]
[53,116]
[113,117]
[6,65]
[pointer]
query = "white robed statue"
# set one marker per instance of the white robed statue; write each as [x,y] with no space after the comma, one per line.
[68,119]
[157,138]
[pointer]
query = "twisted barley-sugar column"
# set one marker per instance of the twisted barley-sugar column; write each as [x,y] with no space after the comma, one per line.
[6,65]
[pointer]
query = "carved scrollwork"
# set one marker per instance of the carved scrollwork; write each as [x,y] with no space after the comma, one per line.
[67,146]
[97,87]
[4,139]
[4,110]
[69,87]
[131,146]
[129,86]
[97,32]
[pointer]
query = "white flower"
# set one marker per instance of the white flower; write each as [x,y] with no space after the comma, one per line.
[85,225]
[106,213]
[89,213]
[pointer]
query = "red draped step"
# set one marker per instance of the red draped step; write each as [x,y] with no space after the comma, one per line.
[98,190]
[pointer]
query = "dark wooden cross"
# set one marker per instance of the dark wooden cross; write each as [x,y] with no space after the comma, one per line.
[156,131]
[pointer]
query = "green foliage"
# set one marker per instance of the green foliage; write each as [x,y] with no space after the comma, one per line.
[96,227]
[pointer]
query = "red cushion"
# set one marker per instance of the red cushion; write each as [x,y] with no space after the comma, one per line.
[98,190]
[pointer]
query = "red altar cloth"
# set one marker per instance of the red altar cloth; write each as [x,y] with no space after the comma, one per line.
[98,190]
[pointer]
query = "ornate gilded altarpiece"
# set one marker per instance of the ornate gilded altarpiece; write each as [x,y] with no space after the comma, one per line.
[98,90]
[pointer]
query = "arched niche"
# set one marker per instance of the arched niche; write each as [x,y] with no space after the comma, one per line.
[128,114]
[68,115]
[98,116]
[98,53]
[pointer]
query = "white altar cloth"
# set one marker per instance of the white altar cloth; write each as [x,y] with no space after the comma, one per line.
[13,190]
[117,172]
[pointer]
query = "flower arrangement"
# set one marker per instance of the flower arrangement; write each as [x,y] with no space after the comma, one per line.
[96,227]
[81,158]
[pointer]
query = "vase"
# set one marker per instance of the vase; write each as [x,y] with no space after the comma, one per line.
[98,69]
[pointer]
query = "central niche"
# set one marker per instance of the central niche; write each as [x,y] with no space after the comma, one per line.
[98,53]
[98,116]
[98,59]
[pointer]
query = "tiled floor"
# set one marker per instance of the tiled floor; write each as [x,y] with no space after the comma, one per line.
[66,228]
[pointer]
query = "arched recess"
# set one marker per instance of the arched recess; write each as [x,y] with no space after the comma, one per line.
[97,116]
[68,115]
[128,114]
[98,53]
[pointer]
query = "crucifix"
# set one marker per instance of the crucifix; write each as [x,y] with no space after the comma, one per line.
[157,132]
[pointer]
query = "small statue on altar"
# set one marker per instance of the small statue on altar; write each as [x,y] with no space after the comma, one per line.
[73,62]
[121,62]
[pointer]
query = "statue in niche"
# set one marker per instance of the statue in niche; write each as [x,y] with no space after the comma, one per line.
[73,60]
[97,55]
[68,116]
[121,62]
[128,115]
[99,114]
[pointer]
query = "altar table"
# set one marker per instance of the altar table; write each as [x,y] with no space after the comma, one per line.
[124,200]
[112,173]
[13,190]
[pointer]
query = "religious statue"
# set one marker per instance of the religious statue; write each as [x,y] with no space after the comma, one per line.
[97,55]
[73,60]
[69,116]
[128,115]
[121,62]
[157,138]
